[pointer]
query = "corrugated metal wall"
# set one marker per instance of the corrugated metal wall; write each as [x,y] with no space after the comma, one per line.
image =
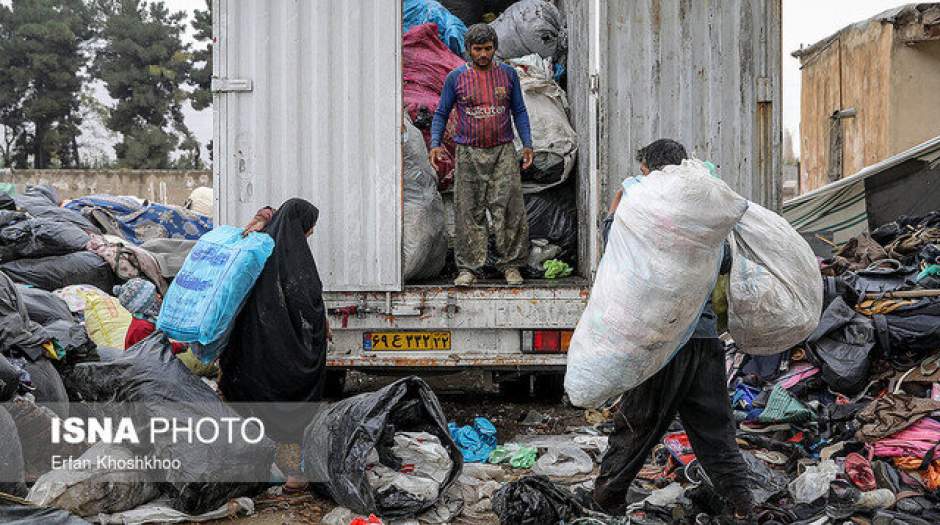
[705,72]
[322,122]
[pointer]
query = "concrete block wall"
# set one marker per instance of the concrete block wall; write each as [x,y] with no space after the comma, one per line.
[165,186]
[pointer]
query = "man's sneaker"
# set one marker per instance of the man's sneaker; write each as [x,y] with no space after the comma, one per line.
[513,277]
[465,279]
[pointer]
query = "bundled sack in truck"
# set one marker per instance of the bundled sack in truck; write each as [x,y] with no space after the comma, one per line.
[426,62]
[209,290]
[554,140]
[424,239]
[450,29]
[532,26]
[659,267]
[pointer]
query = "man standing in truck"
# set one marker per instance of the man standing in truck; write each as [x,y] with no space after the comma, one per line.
[693,385]
[487,178]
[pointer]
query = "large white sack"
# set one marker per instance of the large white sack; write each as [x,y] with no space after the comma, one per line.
[775,289]
[554,140]
[659,267]
[424,237]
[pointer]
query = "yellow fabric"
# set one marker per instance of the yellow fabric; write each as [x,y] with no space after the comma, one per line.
[106,321]
[196,366]
[872,307]
[932,477]
[908,463]
[49,347]
[720,302]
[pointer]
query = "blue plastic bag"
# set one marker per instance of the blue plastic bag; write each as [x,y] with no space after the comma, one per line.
[211,287]
[450,28]
[476,443]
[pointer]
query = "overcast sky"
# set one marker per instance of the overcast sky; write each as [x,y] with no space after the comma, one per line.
[804,22]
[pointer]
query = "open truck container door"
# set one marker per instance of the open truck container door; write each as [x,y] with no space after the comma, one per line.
[308,103]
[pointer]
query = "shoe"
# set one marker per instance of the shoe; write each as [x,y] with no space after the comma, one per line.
[465,279]
[513,277]
[876,499]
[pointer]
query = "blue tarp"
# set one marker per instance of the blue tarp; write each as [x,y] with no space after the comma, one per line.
[138,223]
[476,442]
[450,29]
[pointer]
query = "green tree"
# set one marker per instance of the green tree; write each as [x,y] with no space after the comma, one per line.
[41,60]
[143,62]
[201,75]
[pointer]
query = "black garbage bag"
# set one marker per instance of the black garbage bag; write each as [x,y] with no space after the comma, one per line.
[468,11]
[42,202]
[553,215]
[835,287]
[913,329]
[59,271]
[12,477]
[532,26]
[9,380]
[765,481]
[6,201]
[150,376]
[339,438]
[17,332]
[887,233]
[8,217]
[880,280]
[44,307]
[17,514]
[48,389]
[34,426]
[535,500]
[35,238]
[841,345]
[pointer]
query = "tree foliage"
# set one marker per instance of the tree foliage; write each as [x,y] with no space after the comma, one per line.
[41,60]
[201,75]
[144,63]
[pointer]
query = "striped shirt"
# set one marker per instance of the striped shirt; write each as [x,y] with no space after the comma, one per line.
[484,100]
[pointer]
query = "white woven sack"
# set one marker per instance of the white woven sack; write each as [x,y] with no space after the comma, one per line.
[659,267]
[775,289]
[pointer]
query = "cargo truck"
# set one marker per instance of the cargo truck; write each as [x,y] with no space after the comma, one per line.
[308,103]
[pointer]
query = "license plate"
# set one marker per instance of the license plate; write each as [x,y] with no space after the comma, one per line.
[406,341]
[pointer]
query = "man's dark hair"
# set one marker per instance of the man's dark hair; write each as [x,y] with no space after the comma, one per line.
[479,34]
[662,153]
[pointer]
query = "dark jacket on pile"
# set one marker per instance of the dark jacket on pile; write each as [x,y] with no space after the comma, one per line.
[277,352]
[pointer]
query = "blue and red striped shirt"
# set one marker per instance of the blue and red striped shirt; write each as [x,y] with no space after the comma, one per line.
[484,100]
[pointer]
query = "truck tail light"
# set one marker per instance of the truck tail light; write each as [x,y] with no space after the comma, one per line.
[546,341]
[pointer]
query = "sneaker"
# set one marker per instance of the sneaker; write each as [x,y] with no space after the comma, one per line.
[513,277]
[465,279]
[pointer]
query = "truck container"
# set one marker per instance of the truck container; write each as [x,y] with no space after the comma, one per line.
[308,103]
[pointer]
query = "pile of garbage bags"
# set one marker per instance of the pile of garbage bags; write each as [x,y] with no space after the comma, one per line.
[95,240]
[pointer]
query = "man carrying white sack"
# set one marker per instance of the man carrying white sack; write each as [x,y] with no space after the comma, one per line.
[692,384]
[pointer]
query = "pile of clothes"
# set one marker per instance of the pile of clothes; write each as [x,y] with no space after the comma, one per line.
[842,428]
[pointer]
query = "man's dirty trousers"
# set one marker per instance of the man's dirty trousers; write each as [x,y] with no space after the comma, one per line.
[488,180]
[693,385]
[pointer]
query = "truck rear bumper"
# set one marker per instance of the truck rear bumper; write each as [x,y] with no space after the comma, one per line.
[490,349]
